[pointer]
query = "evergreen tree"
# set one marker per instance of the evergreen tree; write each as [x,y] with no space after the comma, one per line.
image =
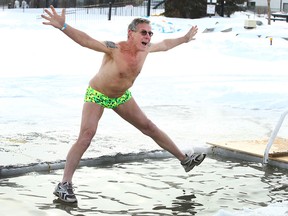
[185,8]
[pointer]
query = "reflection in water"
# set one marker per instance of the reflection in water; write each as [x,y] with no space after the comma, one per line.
[68,207]
[182,204]
[9,184]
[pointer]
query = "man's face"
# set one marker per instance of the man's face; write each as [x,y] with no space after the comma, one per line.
[142,36]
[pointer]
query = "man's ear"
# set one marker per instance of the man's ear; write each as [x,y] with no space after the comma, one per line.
[130,32]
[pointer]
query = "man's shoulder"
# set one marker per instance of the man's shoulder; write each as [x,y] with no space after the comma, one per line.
[111,44]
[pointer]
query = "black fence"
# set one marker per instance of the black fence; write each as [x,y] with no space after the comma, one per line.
[152,4]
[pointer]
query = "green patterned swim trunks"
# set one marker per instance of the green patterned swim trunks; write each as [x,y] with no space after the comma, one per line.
[97,97]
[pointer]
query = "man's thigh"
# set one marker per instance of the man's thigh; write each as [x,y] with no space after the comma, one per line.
[91,115]
[131,112]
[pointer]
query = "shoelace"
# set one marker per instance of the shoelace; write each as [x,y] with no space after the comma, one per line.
[69,187]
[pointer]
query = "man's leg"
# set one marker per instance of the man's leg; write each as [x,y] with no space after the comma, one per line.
[91,115]
[90,118]
[132,113]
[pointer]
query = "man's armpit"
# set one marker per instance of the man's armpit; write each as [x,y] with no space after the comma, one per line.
[110,44]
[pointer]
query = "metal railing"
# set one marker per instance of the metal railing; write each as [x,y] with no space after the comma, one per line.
[273,136]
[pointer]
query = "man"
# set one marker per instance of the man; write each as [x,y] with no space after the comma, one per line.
[109,88]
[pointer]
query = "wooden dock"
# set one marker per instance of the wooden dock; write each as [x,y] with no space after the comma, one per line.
[278,154]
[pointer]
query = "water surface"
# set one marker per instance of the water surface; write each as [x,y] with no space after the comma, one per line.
[151,187]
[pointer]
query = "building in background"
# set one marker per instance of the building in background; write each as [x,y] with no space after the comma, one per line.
[260,6]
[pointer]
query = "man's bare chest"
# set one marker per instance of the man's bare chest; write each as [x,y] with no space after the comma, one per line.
[130,64]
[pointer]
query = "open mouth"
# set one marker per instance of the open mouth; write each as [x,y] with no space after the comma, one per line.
[144,43]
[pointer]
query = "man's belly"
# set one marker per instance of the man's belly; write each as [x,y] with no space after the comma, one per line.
[112,89]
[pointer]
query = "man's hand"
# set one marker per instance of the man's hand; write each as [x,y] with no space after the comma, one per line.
[54,19]
[191,33]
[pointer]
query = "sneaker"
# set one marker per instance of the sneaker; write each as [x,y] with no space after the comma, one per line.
[191,161]
[64,191]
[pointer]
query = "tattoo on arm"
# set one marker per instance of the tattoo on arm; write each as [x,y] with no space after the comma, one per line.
[111,44]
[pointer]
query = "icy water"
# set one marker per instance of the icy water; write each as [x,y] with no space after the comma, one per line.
[153,187]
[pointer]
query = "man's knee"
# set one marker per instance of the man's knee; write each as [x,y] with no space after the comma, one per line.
[149,128]
[86,137]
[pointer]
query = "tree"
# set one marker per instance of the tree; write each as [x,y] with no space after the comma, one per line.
[269,11]
[185,8]
[229,7]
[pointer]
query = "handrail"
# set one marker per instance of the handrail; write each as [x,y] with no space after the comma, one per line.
[273,136]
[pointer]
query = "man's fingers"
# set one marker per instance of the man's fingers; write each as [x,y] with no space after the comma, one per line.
[44,17]
[48,12]
[46,23]
[63,12]
[53,9]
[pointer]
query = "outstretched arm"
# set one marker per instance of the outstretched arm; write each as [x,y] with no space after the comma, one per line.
[58,21]
[171,43]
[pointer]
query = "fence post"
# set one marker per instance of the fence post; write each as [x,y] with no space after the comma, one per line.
[110,11]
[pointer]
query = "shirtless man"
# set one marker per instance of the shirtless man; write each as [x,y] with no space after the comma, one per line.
[109,88]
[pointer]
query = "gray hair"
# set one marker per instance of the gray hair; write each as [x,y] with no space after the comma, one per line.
[133,25]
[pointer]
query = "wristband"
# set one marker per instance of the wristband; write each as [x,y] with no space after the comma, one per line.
[64,27]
